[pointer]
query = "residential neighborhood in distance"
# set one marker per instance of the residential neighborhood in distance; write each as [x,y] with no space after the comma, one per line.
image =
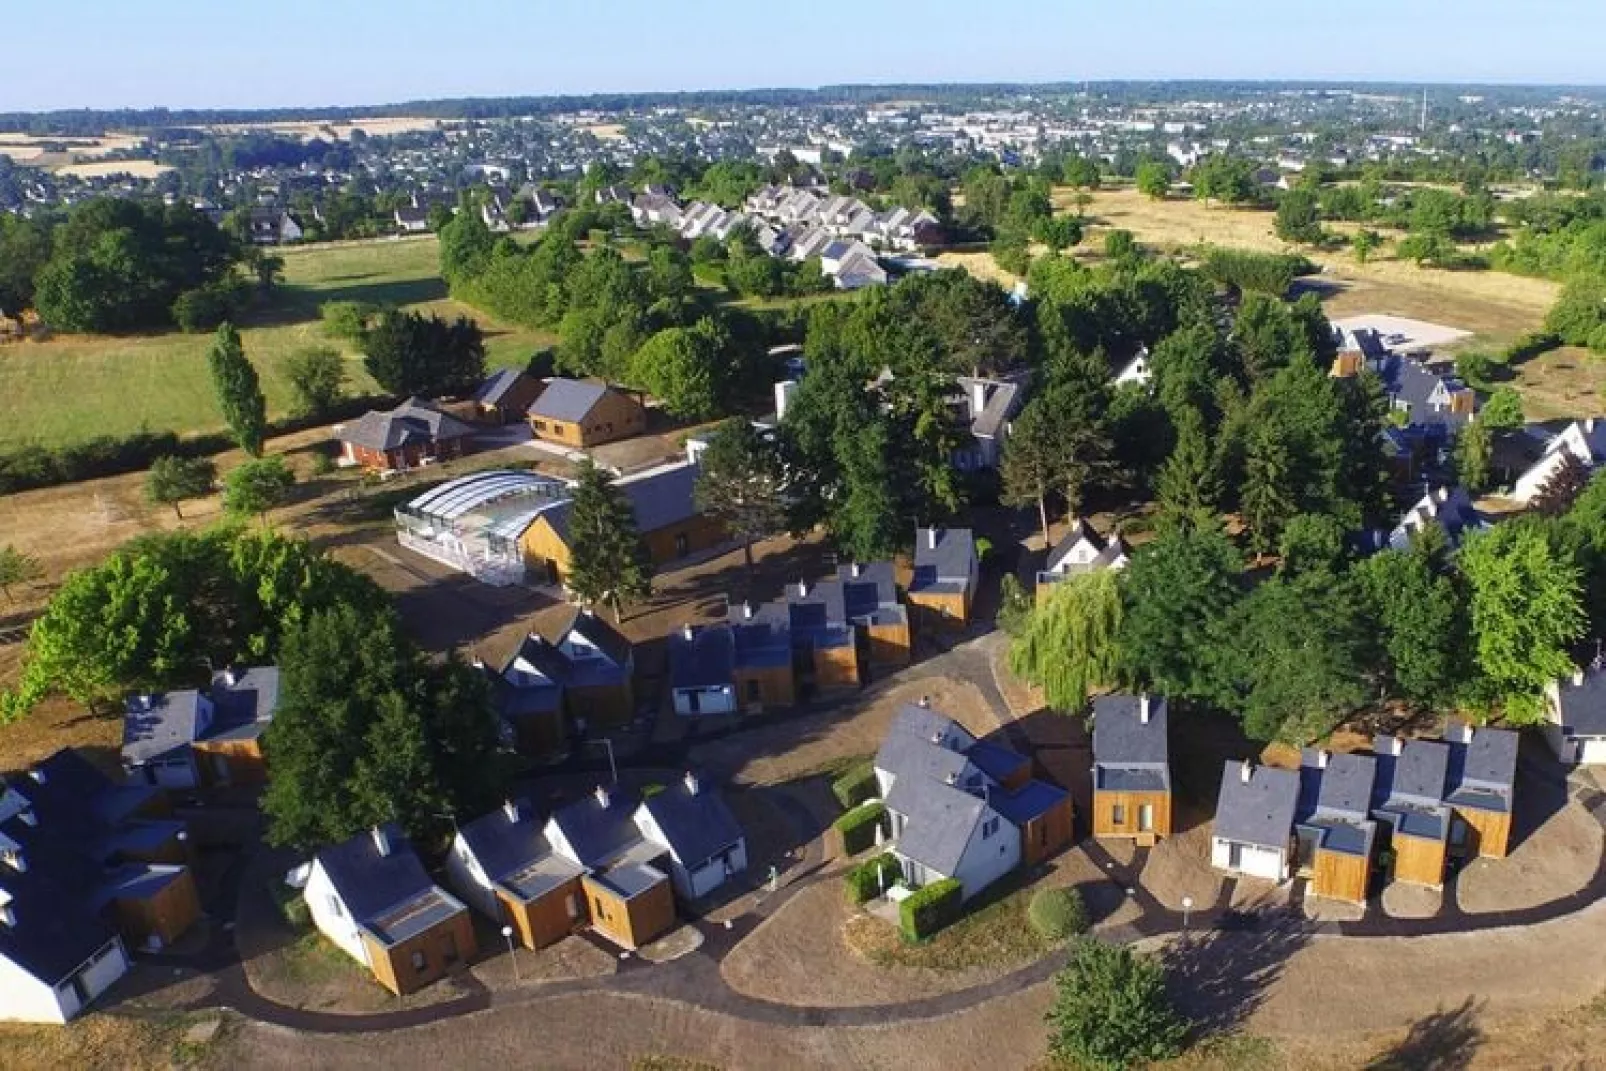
[1056,573]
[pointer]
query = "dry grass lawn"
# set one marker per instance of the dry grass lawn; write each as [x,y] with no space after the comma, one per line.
[994,936]
[104,1041]
[145,169]
[1567,382]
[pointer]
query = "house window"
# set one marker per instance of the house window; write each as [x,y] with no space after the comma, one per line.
[755,691]
[1118,814]
[540,425]
[1146,817]
[988,828]
[419,962]
[571,904]
[682,545]
[334,906]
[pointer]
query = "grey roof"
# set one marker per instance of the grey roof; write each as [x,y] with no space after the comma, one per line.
[1417,774]
[567,399]
[157,724]
[762,640]
[704,661]
[941,821]
[514,852]
[913,762]
[242,709]
[1483,767]
[697,825]
[1260,812]
[912,746]
[1122,738]
[618,661]
[596,833]
[389,895]
[1003,399]
[496,386]
[414,421]
[662,496]
[630,880]
[1342,788]
[943,557]
[996,760]
[1412,382]
[1031,800]
[1581,703]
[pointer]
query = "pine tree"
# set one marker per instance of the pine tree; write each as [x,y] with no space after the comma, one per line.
[739,483]
[239,393]
[1188,491]
[1059,445]
[1473,452]
[1267,503]
[609,562]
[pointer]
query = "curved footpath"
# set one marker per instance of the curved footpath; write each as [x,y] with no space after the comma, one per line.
[695,978]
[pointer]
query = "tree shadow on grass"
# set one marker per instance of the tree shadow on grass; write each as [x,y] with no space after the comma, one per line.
[1443,1041]
[1218,978]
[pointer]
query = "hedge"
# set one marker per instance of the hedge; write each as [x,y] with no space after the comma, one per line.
[866,880]
[1057,913]
[930,909]
[855,786]
[858,826]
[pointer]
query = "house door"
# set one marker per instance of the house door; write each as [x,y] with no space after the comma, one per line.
[694,702]
[220,769]
[552,574]
[1145,818]
[1235,856]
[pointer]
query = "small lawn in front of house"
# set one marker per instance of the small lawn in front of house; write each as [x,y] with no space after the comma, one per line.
[995,934]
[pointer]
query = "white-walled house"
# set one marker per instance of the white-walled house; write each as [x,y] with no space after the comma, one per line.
[1254,825]
[35,988]
[1583,439]
[1575,710]
[706,845]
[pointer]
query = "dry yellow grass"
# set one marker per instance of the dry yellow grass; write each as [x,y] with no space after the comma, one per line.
[105,168]
[981,265]
[606,131]
[341,128]
[32,149]
[102,1041]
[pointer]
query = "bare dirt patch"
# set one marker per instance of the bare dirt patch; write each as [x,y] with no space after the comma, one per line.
[681,941]
[1559,858]
[1180,866]
[1568,382]
[1402,900]
[310,972]
[572,957]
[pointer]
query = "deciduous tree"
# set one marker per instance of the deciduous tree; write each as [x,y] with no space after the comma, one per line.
[317,374]
[17,568]
[257,486]
[1068,644]
[740,484]
[1111,1011]
[172,480]
[239,393]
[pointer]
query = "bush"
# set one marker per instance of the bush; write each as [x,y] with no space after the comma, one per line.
[929,909]
[1111,1010]
[291,904]
[1531,345]
[203,309]
[347,320]
[858,827]
[866,880]
[855,786]
[1057,913]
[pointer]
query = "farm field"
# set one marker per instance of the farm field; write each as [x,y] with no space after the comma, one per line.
[72,387]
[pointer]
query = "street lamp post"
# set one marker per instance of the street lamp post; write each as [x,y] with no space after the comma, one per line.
[512,953]
[1187,908]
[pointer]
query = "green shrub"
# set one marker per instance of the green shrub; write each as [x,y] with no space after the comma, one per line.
[291,904]
[1057,913]
[929,909]
[855,786]
[866,880]
[858,826]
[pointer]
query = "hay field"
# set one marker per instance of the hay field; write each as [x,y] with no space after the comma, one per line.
[341,128]
[606,131]
[145,169]
[75,386]
[33,150]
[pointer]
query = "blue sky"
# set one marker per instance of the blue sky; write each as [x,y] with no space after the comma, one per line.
[245,53]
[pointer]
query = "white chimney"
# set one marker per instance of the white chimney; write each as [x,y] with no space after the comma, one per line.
[14,858]
[1321,759]
[686,633]
[511,809]
[230,677]
[1396,745]
[802,589]
[978,397]
[38,775]
[478,662]
[1578,678]
[856,569]
[8,915]
[931,538]
[747,610]
[381,841]
[692,784]
[603,798]
[1246,770]
[1143,708]
[783,397]
[925,702]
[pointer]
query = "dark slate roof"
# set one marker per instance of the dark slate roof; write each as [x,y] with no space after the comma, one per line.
[159,723]
[763,640]
[1342,788]
[912,745]
[1120,736]
[941,820]
[995,760]
[597,833]
[913,762]
[705,660]
[243,709]
[943,557]
[630,880]
[514,852]
[601,635]
[1032,800]
[1416,774]
[663,496]
[1260,812]
[1410,381]
[496,386]
[414,421]
[1483,767]
[567,399]
[697,825]
[370,884]
[1581,703]
[1002,400]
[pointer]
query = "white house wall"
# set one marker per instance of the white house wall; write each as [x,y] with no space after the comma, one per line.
[25,999]
[986,859]
[468,880]
[1256,862]
[330,915]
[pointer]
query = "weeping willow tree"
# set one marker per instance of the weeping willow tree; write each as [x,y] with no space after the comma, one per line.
[1068,644]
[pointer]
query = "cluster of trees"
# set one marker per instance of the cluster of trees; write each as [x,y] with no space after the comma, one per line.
[642,324]
[1579,316]
[1015,211]
[1228,180]
[740,265]
[1295,654]
[118,265]
[1559,236]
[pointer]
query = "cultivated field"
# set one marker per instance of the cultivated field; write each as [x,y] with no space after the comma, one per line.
[74,386]
[34,150]
[146,169]
[339,128]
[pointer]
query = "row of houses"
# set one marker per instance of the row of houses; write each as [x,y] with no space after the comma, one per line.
[613,862]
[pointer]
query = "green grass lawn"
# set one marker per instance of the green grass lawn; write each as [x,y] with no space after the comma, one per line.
[74,387]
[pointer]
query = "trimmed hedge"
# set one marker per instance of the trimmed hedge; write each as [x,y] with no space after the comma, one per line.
[866,880]
[858,826]
[1057,913]
[930,909]
[855,786]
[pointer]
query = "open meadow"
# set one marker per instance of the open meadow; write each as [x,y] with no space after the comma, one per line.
[72,387]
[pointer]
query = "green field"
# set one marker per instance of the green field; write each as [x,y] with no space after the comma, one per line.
[74,387]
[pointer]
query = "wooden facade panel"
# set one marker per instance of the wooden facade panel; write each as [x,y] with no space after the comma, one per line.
[889,644]
[1118,814]
[1340,876]
[836,667]
[230,762]
[168,914]
[634,922]
[763,688]
[675,541]
[546,920]
[1418,860]
[605,705]
[1489,832]
[411,965]
[615,416]
[940,610]
[546,557]
[1048,834]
